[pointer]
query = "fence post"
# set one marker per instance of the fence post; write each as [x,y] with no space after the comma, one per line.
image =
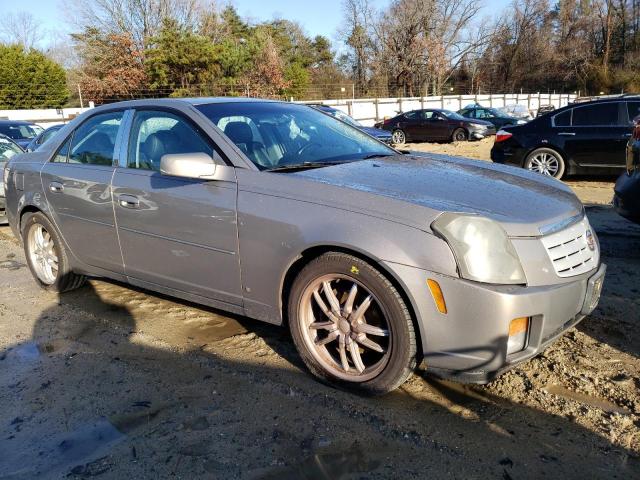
[80,95]
[350,108]
[422,103]
[377,112]
[400,104]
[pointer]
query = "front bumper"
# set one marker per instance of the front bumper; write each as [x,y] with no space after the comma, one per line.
[626,199]
[469,342]
[3,209]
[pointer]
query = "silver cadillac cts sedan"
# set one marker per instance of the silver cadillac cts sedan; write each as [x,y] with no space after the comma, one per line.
[375,259]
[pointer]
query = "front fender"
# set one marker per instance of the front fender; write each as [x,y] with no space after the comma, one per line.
[274,232]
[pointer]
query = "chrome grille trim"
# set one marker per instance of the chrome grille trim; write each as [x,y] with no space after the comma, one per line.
[569,250]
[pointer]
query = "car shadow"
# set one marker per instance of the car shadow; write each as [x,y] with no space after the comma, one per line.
[100,388]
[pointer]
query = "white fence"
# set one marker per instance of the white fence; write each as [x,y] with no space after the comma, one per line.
[370,110]
[45,117]
[366,110]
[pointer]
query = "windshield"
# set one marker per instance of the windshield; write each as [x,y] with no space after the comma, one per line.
[20,131]
[500,112]
[453,115]
[275,135]
[8,149]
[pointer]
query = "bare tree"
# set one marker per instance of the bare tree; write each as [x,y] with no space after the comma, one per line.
[141,19]
[21,28]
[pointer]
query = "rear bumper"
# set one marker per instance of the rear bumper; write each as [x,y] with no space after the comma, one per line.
[508,155]
[469,342]
[626,199]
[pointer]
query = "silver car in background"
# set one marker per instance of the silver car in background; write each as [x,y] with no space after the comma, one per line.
[8,150]
[377,261]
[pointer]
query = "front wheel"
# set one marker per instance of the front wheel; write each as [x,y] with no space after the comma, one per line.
[545,161]
[459,135]
[46,255]
[398,137]
[350,325]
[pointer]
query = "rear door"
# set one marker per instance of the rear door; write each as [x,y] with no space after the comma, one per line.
[77,186]
[177,233]
[411,125]
[597,136]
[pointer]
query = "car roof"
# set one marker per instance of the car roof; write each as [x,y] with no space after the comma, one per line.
[15,122]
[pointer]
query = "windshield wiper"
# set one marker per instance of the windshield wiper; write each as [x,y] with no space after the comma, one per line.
[378,155]
[303,166]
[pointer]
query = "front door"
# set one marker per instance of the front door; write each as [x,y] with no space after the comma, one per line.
[77,186]
[434,126]
[178,233]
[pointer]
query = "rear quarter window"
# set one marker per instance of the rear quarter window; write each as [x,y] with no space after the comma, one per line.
[633,108]
[562,119]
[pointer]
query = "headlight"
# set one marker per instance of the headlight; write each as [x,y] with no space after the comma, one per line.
[482,248]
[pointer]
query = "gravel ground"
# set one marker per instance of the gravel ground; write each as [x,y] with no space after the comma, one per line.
[117,382]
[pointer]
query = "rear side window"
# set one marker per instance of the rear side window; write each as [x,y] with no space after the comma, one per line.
[411,115]
[94,141]
[634,110]
[604,114]
[562,119]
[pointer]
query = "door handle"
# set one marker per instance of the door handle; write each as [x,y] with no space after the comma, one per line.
[56,187]
[567,134]
[128,201]
[626,135]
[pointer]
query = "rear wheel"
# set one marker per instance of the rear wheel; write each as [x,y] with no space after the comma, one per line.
[545,161]
[350,325]
[398,136]
[459,135]
[46,256]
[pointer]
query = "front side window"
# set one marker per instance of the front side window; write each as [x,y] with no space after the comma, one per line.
[94,141]
[279,135]
[158,133]
[604,114]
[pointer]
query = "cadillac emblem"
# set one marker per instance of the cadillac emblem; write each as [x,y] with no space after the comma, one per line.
[591,242]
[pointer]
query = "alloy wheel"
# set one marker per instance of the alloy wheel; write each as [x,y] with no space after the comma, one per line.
[398,136]
[544,163]
[345,328]
[42,254]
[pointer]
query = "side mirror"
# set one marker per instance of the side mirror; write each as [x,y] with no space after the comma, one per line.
[189,165]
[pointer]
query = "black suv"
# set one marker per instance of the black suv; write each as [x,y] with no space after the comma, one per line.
[587,137]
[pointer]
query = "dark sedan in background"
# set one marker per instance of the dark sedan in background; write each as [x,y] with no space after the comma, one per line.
[627,190]
[498,118]
[42,137]
[376,133]
[20,132]
[585,138]
[435,125]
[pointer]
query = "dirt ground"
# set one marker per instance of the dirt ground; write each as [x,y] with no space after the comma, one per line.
[115,382]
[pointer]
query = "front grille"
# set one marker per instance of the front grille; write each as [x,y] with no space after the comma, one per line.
[573,250]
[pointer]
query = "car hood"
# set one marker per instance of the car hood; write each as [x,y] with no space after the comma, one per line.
[522,201]
[375,132]
[475,121]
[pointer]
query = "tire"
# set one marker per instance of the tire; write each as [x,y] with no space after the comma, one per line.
[545,161]
[459,135]
[59,279]
[383,368]
[398,136]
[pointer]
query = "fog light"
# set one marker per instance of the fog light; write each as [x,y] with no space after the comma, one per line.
[518,330]
[438,297]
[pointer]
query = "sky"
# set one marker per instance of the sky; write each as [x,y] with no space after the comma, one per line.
[317,17]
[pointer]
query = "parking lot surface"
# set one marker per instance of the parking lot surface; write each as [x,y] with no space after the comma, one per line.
[116,382]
